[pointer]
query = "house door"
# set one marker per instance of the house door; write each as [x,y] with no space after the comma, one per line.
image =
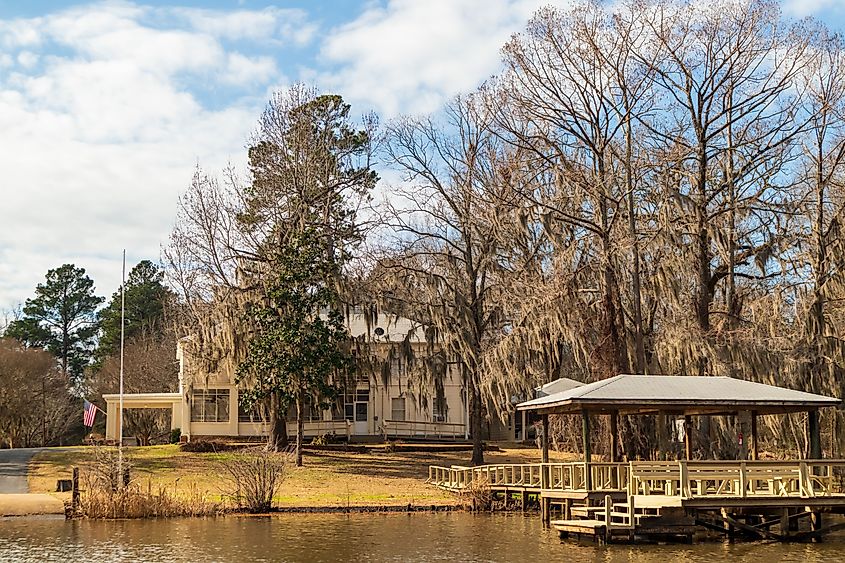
[362,412]
[361,418]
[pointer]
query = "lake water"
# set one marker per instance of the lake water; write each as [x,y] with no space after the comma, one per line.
[358,537]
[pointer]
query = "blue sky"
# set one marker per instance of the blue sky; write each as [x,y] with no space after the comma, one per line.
[107,107]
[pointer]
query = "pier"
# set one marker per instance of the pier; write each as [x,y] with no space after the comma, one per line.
[610,501]
[668,500]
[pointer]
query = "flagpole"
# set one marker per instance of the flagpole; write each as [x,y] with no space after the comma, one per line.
[120,407]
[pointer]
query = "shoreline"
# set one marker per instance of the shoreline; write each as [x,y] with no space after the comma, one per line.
[330,481]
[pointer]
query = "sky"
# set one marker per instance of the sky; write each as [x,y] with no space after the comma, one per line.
[107,108]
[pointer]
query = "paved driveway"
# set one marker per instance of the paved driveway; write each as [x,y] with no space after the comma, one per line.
[13,468]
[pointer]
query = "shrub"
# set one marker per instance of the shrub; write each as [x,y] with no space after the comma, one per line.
[175,435]
[253,479]
[206,446]
[478,495]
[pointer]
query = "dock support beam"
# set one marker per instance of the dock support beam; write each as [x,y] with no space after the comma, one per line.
[755,452]
[614,436]
[588,454]
[545,440]
[688,436]
[546,507]
[814,432]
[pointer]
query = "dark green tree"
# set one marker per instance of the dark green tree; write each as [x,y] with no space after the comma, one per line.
[146,300]
[309,165]
[300,349]
[62,317]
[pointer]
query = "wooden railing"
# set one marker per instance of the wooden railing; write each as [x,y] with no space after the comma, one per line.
[686,479]
[421,429]
[537,476]
[696,479]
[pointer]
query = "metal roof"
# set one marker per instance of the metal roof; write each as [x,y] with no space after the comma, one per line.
[556,386]
[671,393]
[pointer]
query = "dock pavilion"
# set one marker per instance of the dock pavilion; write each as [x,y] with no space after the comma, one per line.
[664,499]
[679,396]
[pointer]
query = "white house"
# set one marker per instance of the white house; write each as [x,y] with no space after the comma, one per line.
[379,405]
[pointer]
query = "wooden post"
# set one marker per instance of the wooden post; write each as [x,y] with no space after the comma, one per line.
[614,436]
[545,440]
[814,432]
[524,427]
[784,522]
[74,495]
[688,436]
[755,452]
[614,448]
[585,436]
[816,524]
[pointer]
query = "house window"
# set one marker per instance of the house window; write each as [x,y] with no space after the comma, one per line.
[311,412]
[254,414]
[439,409]
[210,405]
[397,409]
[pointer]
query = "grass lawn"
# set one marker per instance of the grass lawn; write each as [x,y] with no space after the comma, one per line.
[328,479]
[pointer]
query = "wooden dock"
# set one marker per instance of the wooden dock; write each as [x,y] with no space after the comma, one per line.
[674,501]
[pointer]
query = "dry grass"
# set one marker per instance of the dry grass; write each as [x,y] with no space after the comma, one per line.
[328,479]
[134,501]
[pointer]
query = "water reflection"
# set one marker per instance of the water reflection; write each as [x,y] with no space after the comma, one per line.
[360,537]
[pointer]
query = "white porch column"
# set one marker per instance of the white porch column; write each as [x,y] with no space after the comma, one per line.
[185,405]
[176,415]
[524,427]
[233,411]
[111,420]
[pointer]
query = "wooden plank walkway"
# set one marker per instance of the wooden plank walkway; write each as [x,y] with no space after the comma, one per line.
[669,500]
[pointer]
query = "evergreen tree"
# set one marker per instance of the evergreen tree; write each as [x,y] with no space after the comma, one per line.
[61,318]
[146,299]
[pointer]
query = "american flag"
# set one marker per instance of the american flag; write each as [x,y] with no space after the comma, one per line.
[89,413]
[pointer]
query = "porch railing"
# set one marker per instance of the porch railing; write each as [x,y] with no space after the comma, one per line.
[685,479]
[421,429]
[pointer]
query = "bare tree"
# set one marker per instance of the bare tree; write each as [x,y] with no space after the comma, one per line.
[36,407]
[442,261]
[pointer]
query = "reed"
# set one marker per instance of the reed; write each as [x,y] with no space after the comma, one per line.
[478,495]
[107,492]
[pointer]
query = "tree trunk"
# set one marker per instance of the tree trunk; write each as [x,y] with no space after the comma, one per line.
[277,439]
[300,429]
[475,423]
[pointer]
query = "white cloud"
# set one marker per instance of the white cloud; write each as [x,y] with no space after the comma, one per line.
[285,25]
[19,33]
[245,70]
[27,59]
[411,55]
[801,8]
[102,127]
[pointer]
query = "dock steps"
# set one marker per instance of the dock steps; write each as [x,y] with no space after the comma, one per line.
[586,511]
[581,526]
